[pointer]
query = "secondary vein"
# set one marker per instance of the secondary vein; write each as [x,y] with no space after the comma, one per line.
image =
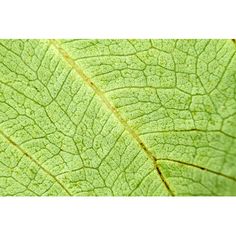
[112,108]
[33,160]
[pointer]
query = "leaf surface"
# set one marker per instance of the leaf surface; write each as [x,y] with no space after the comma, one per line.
[117,117]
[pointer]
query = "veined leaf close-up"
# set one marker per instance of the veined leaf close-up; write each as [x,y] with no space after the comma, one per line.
[117,117]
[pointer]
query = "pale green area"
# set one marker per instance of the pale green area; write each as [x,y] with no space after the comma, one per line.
[59,137]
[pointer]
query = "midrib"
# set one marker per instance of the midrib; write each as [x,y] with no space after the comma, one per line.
[112,108]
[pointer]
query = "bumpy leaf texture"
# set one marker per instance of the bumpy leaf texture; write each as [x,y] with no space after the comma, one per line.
[117,117]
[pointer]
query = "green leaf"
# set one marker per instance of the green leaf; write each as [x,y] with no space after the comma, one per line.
[117,117]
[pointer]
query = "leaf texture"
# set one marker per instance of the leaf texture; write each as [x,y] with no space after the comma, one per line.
[117,117]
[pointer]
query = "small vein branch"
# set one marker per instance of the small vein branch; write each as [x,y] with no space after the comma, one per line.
[113,109]
[33,160]
[199,167]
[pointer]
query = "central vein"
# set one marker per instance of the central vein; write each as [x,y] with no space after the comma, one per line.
[113,109]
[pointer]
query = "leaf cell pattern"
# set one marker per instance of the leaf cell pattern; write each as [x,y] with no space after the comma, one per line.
[117,117]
